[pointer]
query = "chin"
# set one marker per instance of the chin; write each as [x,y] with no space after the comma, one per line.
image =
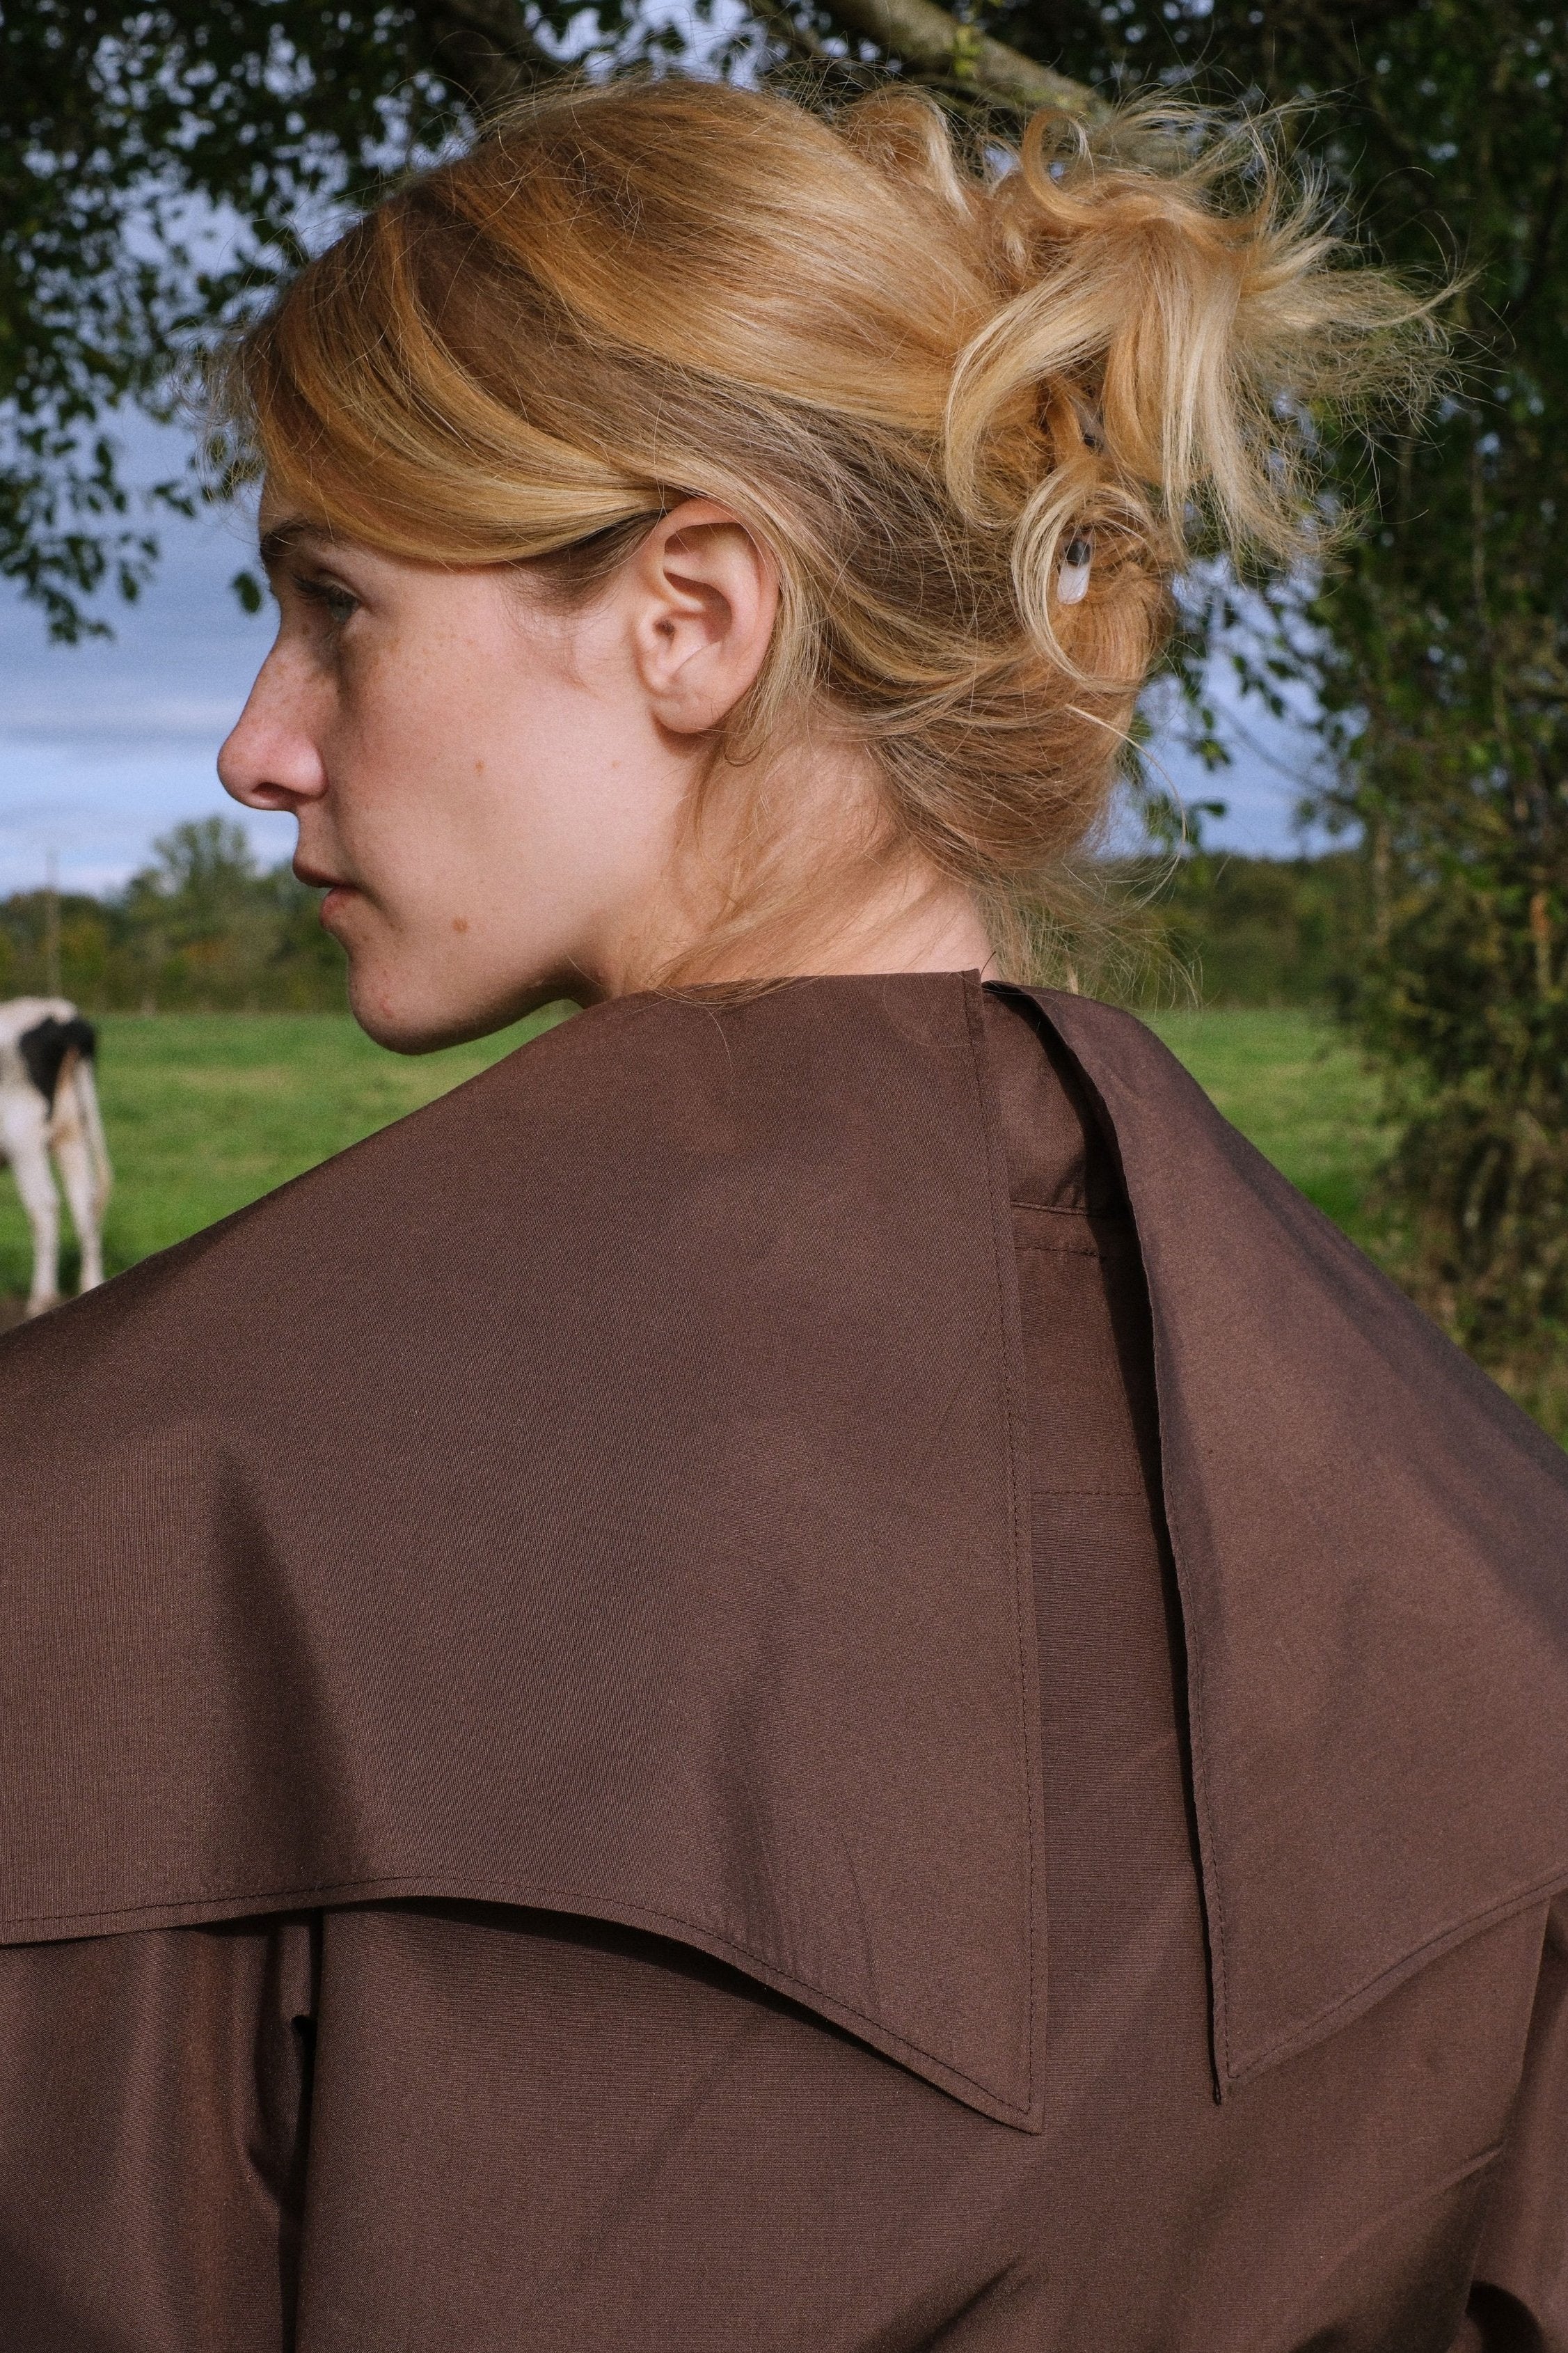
[392,1012]
[394,1019]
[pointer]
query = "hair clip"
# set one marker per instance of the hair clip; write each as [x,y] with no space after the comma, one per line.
[1072,580]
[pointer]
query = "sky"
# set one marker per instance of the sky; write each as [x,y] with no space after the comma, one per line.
[104,745]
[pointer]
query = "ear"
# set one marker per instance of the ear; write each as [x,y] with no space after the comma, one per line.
[704,597]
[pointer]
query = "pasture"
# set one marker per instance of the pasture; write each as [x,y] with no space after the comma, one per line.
[1289,1079]
[205,1111]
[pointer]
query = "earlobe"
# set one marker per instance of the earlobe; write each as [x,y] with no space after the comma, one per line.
[705,600]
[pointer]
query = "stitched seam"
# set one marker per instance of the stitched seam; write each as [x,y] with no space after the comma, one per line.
[1118,1495]
[1060,1250]
[1457,1932]
[975,1010]
[544,1890]
[1070,1210]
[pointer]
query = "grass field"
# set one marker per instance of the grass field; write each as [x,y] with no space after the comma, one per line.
[206,1111]
[1290,1080]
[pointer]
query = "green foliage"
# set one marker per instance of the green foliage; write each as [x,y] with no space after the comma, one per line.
[1261,930]
[1449,659]
[202,927]
[1466,1002]
[160,166]
[117,125]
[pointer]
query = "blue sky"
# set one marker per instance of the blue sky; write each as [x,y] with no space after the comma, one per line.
[104,745]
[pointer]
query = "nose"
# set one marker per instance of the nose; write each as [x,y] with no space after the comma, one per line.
[270,759]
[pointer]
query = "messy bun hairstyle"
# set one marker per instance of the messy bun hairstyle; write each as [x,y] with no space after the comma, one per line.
[933,381]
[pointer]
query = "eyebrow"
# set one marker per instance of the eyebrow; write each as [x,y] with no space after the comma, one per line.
[285,537]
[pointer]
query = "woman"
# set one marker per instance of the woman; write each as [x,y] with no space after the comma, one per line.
[810,1670]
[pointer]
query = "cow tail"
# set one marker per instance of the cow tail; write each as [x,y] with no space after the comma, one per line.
[86,1087]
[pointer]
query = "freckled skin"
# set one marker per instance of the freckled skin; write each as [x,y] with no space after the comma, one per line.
[448,741]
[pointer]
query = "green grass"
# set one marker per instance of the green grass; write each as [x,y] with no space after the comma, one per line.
[206,1111]
[1290,1080]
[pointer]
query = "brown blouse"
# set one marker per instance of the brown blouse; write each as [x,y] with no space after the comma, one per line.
[438,2124]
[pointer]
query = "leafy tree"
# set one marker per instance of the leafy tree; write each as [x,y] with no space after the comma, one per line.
[78,926]
[161,165]
[1261,930]
[203,925]
[202,928]
[1435,647]
[158,166]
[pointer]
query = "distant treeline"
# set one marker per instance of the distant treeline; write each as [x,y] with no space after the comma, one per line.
[1258,931]
[204,928]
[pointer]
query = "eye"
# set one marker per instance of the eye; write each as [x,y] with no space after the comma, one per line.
[331,598]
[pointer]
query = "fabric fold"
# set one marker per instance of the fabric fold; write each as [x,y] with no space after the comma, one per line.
[1371,1547]
[567,1498]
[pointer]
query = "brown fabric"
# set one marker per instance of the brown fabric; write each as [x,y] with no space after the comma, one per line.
[1373,1548]
[600,1491]
[525,2130]
[154,2108]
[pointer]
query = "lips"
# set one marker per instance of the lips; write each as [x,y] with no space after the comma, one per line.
[337,893]
[338,897]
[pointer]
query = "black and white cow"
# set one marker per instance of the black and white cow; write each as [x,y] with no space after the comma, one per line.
[48,1104]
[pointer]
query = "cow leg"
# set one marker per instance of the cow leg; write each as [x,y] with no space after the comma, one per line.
[75,1164]
[27,1146]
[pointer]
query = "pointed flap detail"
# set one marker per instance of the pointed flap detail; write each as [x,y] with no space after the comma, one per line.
[1371,1544]
[593,1492]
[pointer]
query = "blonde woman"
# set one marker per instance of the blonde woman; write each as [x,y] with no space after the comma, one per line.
[811,1671]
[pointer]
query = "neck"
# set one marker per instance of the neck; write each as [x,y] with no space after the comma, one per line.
[832,894]
[925,923]
[928,926]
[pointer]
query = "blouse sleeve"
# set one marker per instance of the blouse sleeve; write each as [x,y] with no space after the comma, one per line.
[1519,2301]
[154,2105]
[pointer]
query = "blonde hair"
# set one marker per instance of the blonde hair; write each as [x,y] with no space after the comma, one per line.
[920,373]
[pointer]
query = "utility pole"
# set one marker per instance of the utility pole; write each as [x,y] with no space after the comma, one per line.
[52,927]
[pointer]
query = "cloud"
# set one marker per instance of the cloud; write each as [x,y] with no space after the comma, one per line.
[119,723]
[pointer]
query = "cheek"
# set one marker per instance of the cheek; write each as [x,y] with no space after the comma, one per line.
[487,804]
[395,717]
[460,758]
[437,807]
[404,753]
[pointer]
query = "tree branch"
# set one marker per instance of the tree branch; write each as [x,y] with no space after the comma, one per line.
[929,38]
[485,46]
